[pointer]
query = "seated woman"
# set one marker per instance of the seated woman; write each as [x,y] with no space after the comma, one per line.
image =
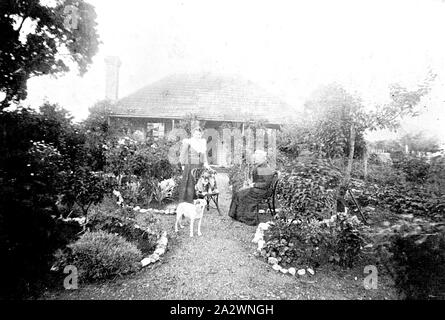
[245,200]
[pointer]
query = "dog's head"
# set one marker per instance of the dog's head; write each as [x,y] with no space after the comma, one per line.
[199,204]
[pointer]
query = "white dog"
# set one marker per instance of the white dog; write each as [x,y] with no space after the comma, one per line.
[191,211]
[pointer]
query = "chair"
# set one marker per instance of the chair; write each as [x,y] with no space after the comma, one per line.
[209,195]
[269,198]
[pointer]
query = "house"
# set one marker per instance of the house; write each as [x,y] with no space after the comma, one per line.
[214,100]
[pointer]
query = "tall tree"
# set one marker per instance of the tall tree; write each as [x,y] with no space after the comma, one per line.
[340,119]
[38,38]
[331,110]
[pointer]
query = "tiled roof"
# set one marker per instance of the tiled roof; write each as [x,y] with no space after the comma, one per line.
[208,96]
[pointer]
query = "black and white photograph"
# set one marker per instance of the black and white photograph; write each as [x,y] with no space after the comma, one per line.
[240,152]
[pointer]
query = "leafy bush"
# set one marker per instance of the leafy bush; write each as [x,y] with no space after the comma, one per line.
[84,188]
[100,255]
[436,175]
[387,187]
[415,169]
[175,194]
[37,152]
[122,222]
[138,166]
[238,175]
[312,242]
[412,199]
[381,174]
[307,187]
[413,251]
[163,190]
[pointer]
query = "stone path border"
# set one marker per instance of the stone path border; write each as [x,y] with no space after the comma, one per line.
[161,247]
[259,239]
[161,244]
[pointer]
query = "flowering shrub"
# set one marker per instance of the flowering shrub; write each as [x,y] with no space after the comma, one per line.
[312,242]
[163,190]
[138,166]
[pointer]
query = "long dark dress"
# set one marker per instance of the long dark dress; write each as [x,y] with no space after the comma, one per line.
[244,201]
[190,159]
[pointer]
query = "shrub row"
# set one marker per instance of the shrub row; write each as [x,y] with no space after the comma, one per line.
[413,251]
[308,187]
[302,242]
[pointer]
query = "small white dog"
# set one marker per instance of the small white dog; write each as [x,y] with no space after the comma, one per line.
[191,211]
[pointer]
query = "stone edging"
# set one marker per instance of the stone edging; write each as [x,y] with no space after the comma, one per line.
[161,244]
[169,211]
[120,202]
[161,247]
[259,238]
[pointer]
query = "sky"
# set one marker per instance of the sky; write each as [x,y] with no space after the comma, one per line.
[289,48]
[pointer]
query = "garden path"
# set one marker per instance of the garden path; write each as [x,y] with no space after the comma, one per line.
[221,265]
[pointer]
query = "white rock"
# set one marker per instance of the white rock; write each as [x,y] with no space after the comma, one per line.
[155,257]
[263,226]
[301,272]
[143,210]
[272,260]
[163,241]
[311,271]
[145,262]
[283,270]
[137,208]
[292,271]
[276,267]
[258,236]
[261,244]
[160,251]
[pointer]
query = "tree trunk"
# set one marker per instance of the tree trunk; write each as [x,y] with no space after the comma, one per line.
[351,155]
[365,163]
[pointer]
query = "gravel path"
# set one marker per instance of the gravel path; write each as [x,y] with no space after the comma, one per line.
[221,265]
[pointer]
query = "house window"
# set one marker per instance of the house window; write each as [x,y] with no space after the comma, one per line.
[155,130]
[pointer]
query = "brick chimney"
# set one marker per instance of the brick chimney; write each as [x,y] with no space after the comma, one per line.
[112,78]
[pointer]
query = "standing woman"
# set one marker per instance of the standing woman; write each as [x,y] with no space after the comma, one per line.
[193,155]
